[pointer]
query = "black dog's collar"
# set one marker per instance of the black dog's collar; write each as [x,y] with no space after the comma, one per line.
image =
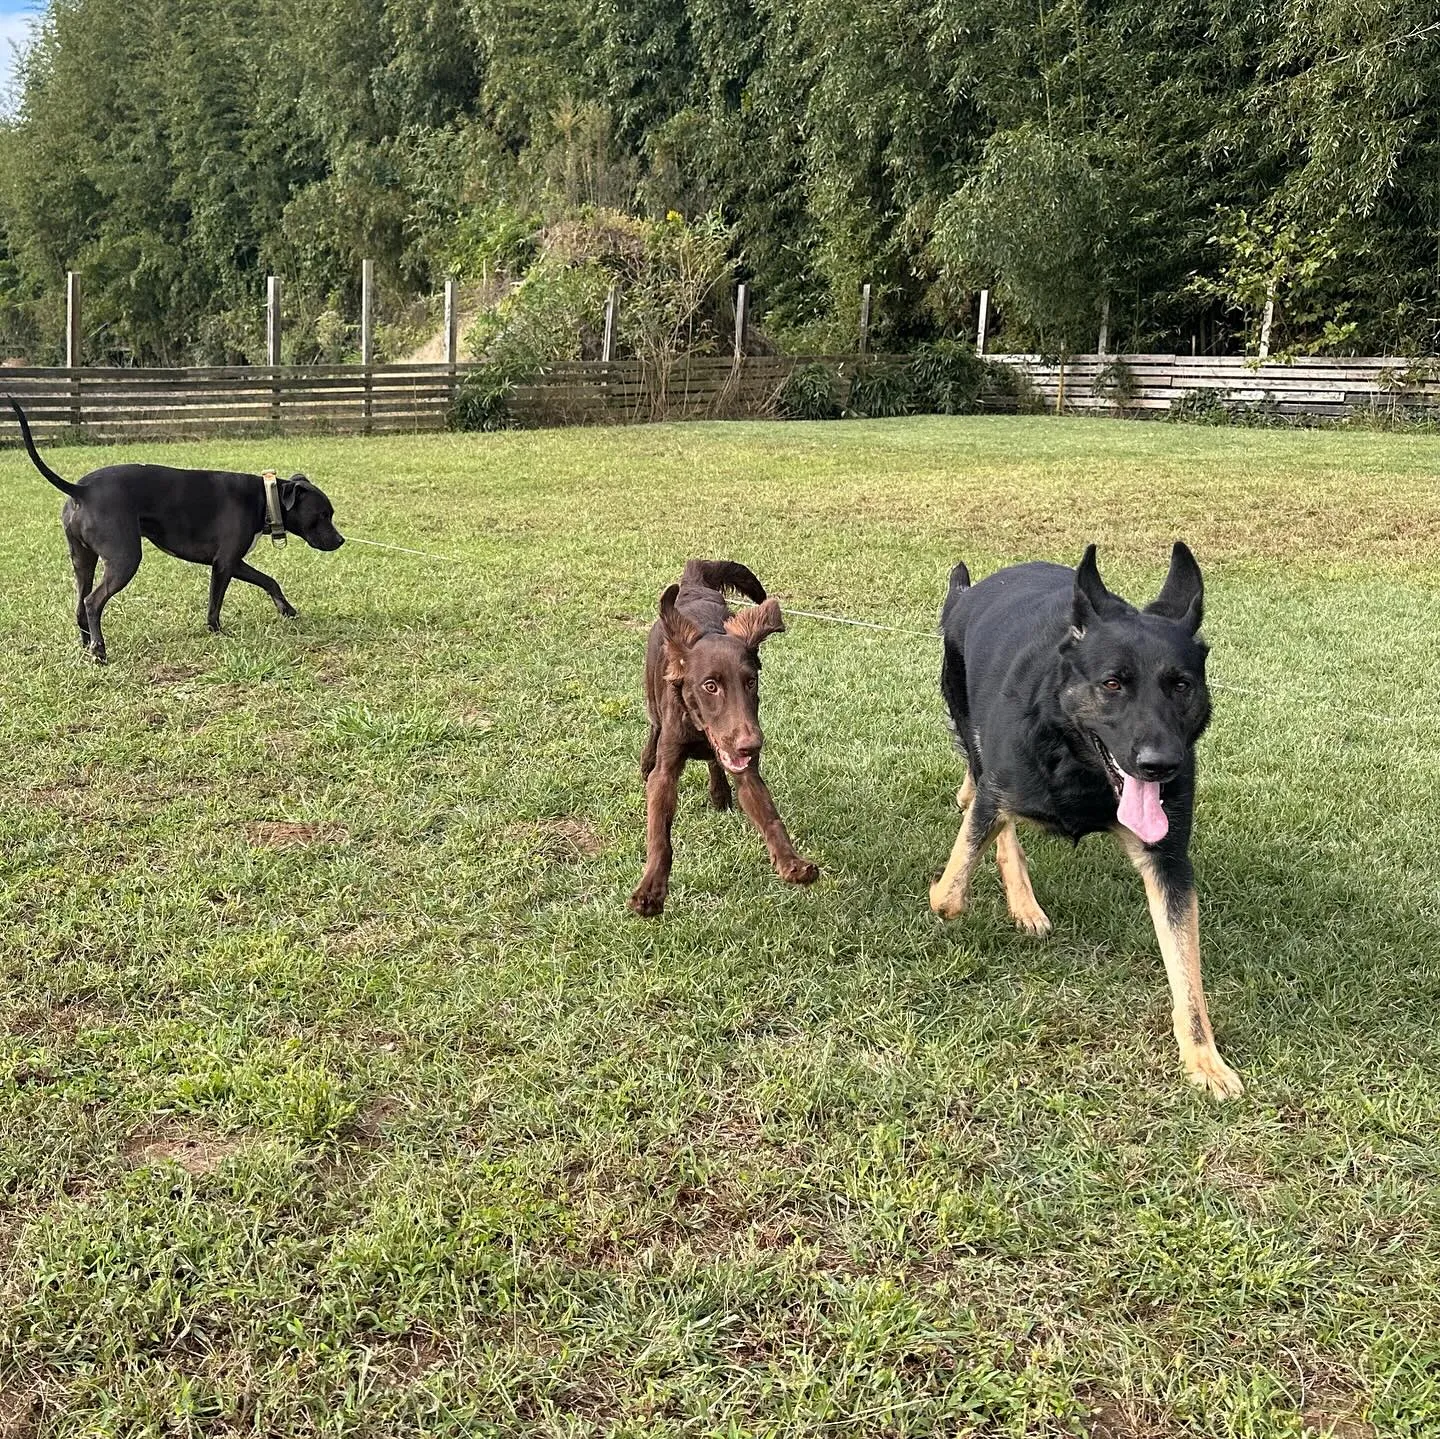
[274,519]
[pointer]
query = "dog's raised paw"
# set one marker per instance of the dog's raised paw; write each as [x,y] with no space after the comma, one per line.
[1207,1071]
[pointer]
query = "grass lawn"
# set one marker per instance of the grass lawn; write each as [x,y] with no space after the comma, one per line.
[340,1095]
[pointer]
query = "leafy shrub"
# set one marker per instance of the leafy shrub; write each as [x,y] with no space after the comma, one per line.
[947,378]
[494,239]
[482,400]
[1116,383]
[668,272]
[554,313]
[1200,407]
[1002,383]
[808,394]
[881,392]
[670,282]
[1263,414]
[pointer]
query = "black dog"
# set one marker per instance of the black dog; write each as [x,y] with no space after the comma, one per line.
[210,517]
[1080,713]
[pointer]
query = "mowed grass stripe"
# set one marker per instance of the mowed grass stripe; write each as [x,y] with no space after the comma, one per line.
[342,1096]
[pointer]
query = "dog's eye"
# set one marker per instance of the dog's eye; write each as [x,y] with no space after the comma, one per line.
[1114,684]
[710,687]
[1182,687]
[751,686]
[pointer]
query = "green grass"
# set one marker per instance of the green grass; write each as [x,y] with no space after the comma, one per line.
[341,1096]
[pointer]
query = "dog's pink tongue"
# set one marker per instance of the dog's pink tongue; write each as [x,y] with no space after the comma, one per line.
[1141,811]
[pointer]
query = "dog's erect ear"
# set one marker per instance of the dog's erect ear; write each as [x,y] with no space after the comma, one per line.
[756,624]
[680,633]
[1182,597]
[1092,600]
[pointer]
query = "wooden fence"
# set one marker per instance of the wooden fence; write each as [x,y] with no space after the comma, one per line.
[697,387]
[108,404]
[112,404]
[1321,388]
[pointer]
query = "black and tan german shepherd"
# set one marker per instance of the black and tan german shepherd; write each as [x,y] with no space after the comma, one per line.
[1080,713]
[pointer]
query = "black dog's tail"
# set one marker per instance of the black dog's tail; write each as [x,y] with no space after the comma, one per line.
[62,485]
[959,579]
[723,575]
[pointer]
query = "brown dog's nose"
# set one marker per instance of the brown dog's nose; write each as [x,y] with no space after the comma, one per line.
[748,746]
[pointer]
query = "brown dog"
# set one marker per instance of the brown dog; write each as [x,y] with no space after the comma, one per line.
[702,691]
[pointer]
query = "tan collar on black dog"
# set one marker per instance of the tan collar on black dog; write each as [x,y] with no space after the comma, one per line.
[274,519]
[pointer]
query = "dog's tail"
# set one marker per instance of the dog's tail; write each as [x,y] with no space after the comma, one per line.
[959,579]
[62,485]
[723,575]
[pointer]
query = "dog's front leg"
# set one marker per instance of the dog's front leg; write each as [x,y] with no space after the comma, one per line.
[720,795]
[1015,875]
[760,809]
[660,788]
[1170,891]
[977,829]
[269,584]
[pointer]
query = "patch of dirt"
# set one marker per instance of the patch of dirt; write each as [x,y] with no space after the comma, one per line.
[64,1018]
[408,1356]
[1332,1407]
[1106,1418]
[194,1151]
[285,834]
[19,1414]
[635,622]
[1318,1423]
[173,674]
[371,1122]
[68,796]
[566,840]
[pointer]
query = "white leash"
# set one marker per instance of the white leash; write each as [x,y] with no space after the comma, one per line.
[860,624]
[400,549]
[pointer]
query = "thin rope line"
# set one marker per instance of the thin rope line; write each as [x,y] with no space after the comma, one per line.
[400,549]
[860,624]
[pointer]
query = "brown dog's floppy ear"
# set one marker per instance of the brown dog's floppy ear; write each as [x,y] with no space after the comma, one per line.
[1182,597]
[757,623]
[680,633]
